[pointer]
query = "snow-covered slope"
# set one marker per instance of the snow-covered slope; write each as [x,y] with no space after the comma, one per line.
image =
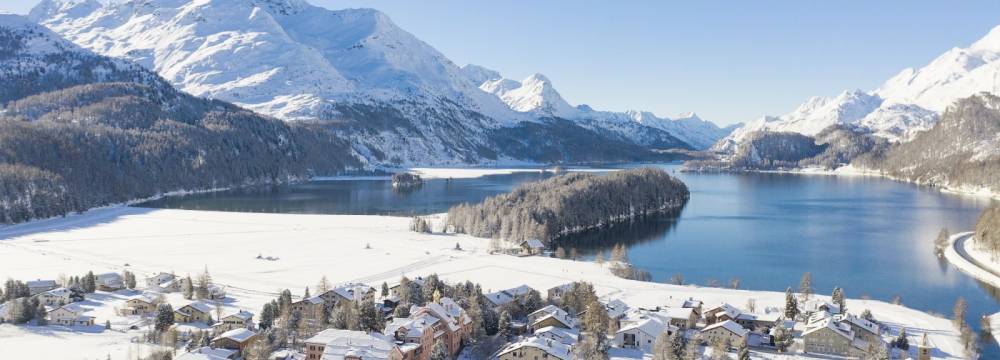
[397,98]
[903,106]
[537,95]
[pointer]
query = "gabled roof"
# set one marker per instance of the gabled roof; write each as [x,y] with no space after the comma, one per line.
[617,308]
[415,325]
[61,292]
[199,306]
[828,323]
[314,300]
[552,311]
[206,353]
[144,297]
[109,276]
[566,336]
[727,309]
[350,290]
[344,344]
[730,325]
[41,283]
[238,335]
[242,315]
[859,322]
[553,348]
[682,303]
[650,326]
[533,244]
[676,313]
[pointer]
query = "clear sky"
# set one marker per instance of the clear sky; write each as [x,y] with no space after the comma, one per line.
[729,61]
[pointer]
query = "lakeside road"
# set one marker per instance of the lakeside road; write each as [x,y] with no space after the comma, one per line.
[958,254]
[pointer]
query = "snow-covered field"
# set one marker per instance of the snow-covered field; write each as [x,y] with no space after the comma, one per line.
[311,246]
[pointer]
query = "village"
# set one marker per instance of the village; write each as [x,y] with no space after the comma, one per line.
[425,318]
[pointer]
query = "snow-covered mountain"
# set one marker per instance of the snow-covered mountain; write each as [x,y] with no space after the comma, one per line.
[903,106]
[538,96]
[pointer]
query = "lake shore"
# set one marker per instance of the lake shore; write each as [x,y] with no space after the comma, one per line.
[963,253]
[345,248]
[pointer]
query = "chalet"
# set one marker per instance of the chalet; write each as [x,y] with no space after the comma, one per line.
[348,292]
[825,335]
[813,306]
[556,293]
[162,282]
[208,353]
[562,335]
[310,308]
[689,303]
[196,311]
[394,288]
[39,286]
[641,332]
[535,348]
[550,315]
[684,318]
[109,281]
[721,313]
[236,339]
[757,321]
[55,297]
[241,319]
[503,297]
[142,304]
[532,247]
[70,315]
[727,330]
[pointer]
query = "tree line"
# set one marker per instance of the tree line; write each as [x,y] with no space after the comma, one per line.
[570,203]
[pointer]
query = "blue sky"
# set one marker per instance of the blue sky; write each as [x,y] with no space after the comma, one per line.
[729,61]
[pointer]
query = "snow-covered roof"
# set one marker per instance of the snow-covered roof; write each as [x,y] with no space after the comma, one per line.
[859,322]
[199,306]
[533,244]
[617,308]
[73,308]
[238,335]
[829,322]
[651,326]
[312,300]
[767,317]
[415,325]
[727,309]
[350,290]
[242,315]
[108,276]
[552,311]
[41,283]
[563,335]
[519,291]
[145,297]
[676,313]
[682,303]
[61,292]
[549,346]
[344,344]
[206,353]
[498,298]
[730,325]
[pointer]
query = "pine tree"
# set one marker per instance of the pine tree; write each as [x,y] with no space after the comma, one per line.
[533,301]
[867,315]
[959,311]
[692,350]
[504,325]
[838,298]
[385,289]
[782,338]
[204,280]
[306,295]
[188,288]
[40,314]
[805,286]
[901,341]
[791,305]
[164,317]
[90,283]
[371,317]
[107,324]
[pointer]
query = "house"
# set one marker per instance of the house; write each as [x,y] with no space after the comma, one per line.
[208,353]
[862,328]
[110,281]
[535,348]
[40,286]
[70,315]
[617,310]
[757,321]
[215,292]
[813,306]
[562,335]
[641,332]
[236,339]
[684,318]
[532,247]
[162,282]
[825,335]
[924,348]
[347,292]
[550,315]
[727,330]
[55,297]
[196,311]
[142,304]
[310,308]
[394,288]
[689,303]
[555,293]
[503,297]
[241,319]
[335,344]
[721,313]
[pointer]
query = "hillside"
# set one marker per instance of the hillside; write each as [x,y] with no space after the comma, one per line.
[961,151]
[80,130]
[397,99]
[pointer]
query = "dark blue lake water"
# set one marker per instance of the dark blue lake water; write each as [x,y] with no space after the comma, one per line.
[873,237]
